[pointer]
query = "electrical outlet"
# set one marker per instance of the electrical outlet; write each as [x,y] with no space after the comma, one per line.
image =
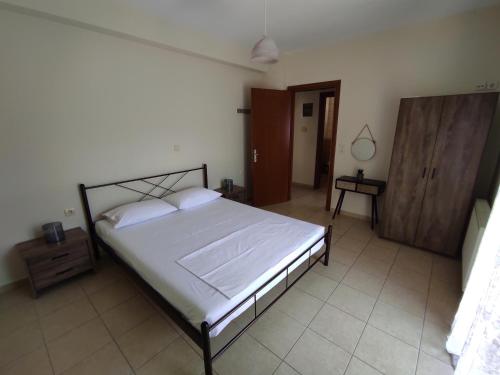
[177,148]
[69,211]
[488,85]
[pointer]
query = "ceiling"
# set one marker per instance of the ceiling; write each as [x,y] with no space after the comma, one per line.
[300,24]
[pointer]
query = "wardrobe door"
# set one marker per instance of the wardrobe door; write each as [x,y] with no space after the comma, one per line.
[464,126]
[416,132]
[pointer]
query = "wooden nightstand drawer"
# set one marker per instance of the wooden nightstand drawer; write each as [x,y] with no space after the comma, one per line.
[59,256]
[52,275]
[50,263]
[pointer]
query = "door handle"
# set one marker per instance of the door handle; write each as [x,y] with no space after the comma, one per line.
[255,155]
[433,173]
[423,172]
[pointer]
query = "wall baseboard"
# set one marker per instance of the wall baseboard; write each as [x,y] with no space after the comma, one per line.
[355,216]
[13,285]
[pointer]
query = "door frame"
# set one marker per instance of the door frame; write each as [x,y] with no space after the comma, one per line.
[323,96]
[326,85]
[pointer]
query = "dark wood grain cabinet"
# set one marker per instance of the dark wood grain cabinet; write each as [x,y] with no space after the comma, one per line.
[437,150]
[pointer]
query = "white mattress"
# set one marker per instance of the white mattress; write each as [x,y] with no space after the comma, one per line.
[153,248]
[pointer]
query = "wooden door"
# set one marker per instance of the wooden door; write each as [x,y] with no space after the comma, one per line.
[270,146]
[464,127]
[416,132]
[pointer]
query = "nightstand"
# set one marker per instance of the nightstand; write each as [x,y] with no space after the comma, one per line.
[238,194]
[49,264]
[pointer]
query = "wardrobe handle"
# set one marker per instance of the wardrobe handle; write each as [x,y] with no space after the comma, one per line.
[423,172]
[433,173]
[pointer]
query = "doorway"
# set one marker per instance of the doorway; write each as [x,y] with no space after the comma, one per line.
[312,156]
[272,138]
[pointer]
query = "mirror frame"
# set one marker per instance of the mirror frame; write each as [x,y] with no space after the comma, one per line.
[363,138]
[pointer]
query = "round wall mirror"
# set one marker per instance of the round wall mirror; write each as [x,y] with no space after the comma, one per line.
[363,149]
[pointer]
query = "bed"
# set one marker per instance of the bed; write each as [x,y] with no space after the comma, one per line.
[207,265]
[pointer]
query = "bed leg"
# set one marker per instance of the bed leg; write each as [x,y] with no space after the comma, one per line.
[328,239]
[207,354]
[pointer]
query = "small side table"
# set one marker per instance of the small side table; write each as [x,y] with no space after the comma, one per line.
[50,264]
[374,188]
[238,194]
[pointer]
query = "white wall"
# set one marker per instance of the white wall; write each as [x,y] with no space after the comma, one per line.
[442,57]
[305,135]
[81,106]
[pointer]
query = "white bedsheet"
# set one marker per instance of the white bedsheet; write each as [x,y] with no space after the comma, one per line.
[153,248]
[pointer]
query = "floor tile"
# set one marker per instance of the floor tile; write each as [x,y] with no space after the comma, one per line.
[36,363]
[146,340]
[406,299]
[299,305]
[69,349]
[58,296]
[386,353]
[335,270]
[276,331]
[105,361]
[112,295]
[318,286]
[67,318]
[20,342]
[127,315]
[105,275]
[408,279]
[285,369]
[314,354]
[16,317]
[247,356]
[434,338]
[442,304]
[338,327]
[343,256]
[383,254]
[397,322]
[358,367]
[428,365]
[176,358]
[15,297]
[415,260]
[364,282]
[352,301]
[381,242]
[372,267]
[354,245]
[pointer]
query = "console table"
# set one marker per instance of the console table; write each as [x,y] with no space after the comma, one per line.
[365,186]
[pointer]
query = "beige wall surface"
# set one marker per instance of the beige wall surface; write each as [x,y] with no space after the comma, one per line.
[80,106]
[443,57]
[305,135]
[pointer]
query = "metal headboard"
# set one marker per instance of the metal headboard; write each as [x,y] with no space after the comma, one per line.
[152,187]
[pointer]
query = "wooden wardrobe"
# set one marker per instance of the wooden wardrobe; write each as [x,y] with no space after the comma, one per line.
[437,149]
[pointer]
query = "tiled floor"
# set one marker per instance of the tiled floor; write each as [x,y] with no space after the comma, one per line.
[378,308]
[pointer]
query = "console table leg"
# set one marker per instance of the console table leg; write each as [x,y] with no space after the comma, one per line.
[373,212]
[339,204]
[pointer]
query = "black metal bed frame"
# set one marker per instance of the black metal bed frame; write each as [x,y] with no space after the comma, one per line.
[200,336]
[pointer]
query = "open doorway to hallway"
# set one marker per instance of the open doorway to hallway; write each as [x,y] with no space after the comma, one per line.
[314,136]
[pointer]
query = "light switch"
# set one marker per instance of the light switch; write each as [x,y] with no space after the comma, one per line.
[177,148]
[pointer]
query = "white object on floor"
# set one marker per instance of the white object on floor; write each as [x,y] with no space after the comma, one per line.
[153,247]
[477,224]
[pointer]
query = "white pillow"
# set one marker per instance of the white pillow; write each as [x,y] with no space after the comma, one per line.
[192,197]
[138,212]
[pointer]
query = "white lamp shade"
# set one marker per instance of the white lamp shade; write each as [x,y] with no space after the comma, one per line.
[265,51]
